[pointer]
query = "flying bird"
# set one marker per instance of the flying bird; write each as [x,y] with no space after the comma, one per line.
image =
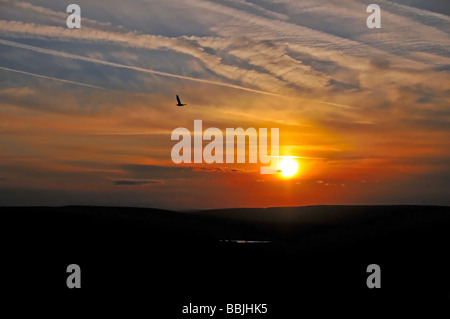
[179,102]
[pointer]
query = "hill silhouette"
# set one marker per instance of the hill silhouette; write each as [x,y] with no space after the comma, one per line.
[255,255]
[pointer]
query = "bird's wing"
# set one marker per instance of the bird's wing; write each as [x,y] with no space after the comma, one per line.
[178,99]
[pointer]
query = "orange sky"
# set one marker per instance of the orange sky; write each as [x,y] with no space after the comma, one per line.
[367,115]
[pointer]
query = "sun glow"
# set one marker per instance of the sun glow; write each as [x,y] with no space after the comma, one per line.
[288,166]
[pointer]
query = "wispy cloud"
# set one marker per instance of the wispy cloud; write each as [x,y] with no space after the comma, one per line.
[117,65]
[134,182]
[52,78]
[352,103]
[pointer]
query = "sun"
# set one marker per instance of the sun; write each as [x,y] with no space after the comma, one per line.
[288,167]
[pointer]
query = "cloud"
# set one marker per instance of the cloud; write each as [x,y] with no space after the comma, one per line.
[370,103]
[164,172]
[52,78]
[271,68]
[175,172]
[134,182]
[97,61]
[380,63]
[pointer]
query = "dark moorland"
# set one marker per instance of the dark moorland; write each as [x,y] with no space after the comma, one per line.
[290,258]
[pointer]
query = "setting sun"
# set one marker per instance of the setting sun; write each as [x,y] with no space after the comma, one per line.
[288,167]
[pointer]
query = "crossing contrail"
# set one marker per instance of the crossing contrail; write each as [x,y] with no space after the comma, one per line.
[123,66]
[139,69]
[52,78]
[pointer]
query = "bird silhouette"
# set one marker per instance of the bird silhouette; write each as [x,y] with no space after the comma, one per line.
[179,102]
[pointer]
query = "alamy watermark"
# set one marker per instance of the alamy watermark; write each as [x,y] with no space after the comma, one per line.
[374,20]
[74,19]
[214,151]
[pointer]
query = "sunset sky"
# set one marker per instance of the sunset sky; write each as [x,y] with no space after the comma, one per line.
[87,114]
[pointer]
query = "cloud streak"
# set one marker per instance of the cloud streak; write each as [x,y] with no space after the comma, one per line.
[134,182]
[352,104]
[117,65]
[52,78]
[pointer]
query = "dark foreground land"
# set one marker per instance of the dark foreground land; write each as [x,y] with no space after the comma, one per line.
[154,262]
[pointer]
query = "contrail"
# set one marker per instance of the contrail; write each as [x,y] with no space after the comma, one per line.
[330,103]
[51,78]
[123,66]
